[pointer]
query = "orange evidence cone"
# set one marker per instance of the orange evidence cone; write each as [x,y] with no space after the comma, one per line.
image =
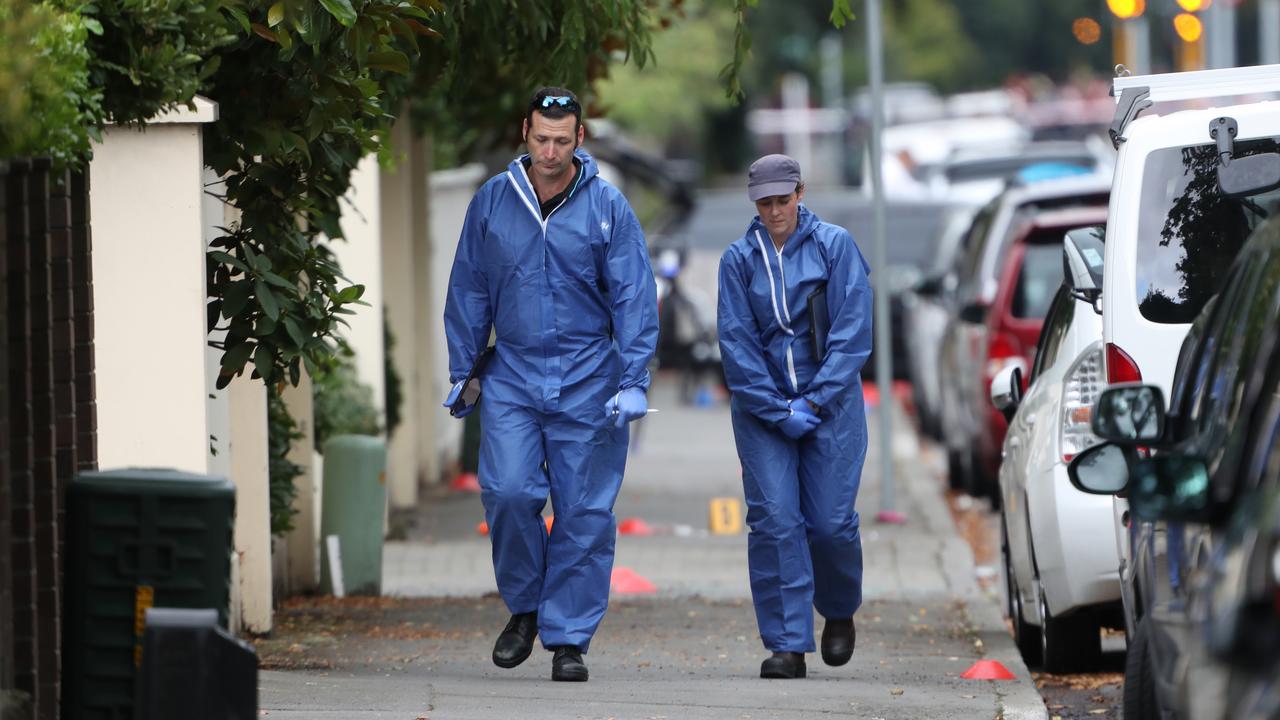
[626,581]
[465,482]
[482,528]
[550,521]
[870,395]
[634,526]
[987,670]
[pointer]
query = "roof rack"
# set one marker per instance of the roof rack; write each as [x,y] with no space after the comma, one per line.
[1135,93]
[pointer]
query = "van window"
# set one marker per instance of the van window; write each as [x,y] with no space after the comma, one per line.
[1188,233]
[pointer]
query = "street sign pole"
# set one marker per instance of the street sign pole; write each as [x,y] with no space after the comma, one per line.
[883,336]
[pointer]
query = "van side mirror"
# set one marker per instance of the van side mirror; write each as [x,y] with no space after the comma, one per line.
[1250,175]
[1129,414]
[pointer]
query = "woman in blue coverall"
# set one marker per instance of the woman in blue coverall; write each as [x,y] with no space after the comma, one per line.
[798,417]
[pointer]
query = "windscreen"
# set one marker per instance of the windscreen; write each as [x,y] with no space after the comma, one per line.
[1038,280]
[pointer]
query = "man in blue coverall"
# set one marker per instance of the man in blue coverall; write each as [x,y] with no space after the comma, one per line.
[794,322]
[553,261]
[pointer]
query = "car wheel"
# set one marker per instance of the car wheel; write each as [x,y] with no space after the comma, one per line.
[1067,644]
[1139,678]
[1025,635]
[956,472]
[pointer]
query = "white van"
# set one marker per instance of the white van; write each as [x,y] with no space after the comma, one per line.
[1171,237]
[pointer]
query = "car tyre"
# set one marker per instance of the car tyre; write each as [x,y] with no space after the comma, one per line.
[956,472]
[1025,635]
[1139,678]
[1067,644]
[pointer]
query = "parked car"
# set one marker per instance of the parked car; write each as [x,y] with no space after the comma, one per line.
[978,174]
[1205,504]
[1057,544]
[925,307]
[964,399]
[1030,275]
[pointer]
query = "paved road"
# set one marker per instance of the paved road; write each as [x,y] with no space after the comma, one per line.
[689,650]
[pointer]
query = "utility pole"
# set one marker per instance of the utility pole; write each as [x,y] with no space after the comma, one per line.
[1269,31]
[1220,31]
[883,335]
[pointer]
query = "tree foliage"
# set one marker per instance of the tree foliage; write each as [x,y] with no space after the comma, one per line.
[47,101]
[682,84]
[473,84]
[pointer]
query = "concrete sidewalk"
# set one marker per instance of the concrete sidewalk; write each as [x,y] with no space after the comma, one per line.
[690,650]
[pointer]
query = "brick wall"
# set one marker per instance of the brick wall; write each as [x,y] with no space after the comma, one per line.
[47,426]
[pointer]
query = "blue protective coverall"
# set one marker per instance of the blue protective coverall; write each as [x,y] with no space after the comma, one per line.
[804,549]
[574,306]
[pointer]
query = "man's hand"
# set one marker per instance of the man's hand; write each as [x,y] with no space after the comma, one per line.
[801,420]
[627,405]
[453,398]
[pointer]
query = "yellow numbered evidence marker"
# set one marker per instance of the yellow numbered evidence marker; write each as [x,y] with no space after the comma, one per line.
[726,516]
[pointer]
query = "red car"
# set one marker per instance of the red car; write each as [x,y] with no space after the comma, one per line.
[1029,277]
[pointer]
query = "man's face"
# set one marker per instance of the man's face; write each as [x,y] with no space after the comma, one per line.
[780,213]
[551,143]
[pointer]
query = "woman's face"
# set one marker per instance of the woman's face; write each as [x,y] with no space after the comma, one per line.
[780,214]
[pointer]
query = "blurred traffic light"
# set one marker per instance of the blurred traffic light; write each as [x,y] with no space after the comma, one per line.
[1188,27]
[1125,9]
[1190,52]
[1086,30]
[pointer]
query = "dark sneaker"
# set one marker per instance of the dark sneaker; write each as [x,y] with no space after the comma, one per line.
[783,666]
[516,641]
[567,665]
[838,639]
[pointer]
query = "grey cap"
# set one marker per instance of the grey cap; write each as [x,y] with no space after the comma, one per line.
[772,175]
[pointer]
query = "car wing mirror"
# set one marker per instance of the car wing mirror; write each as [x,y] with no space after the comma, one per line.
[1082,254]
[1006,390]
[1100,470]
[1171,487]
[974,313]
[1129,414]
[930,286]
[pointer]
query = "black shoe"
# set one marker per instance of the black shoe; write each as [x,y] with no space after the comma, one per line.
[516,641]
[567,665]
[838,639]
[783,666]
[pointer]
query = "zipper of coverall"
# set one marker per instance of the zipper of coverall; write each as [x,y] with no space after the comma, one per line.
[773,297]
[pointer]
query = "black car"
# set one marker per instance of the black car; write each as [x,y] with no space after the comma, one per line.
[1203,485]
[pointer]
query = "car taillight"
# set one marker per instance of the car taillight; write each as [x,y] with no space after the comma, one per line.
[1002,350]
[1080,389]
[1121,367]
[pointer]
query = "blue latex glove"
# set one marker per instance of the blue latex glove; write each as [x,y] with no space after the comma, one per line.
[453,398]
[627,405]
[800,421]
[801,405]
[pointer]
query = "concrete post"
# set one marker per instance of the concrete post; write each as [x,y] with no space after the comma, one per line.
[302,544]
[149,292]
[399,283]
[450,194]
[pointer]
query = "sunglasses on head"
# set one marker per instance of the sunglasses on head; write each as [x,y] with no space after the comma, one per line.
[563,101]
